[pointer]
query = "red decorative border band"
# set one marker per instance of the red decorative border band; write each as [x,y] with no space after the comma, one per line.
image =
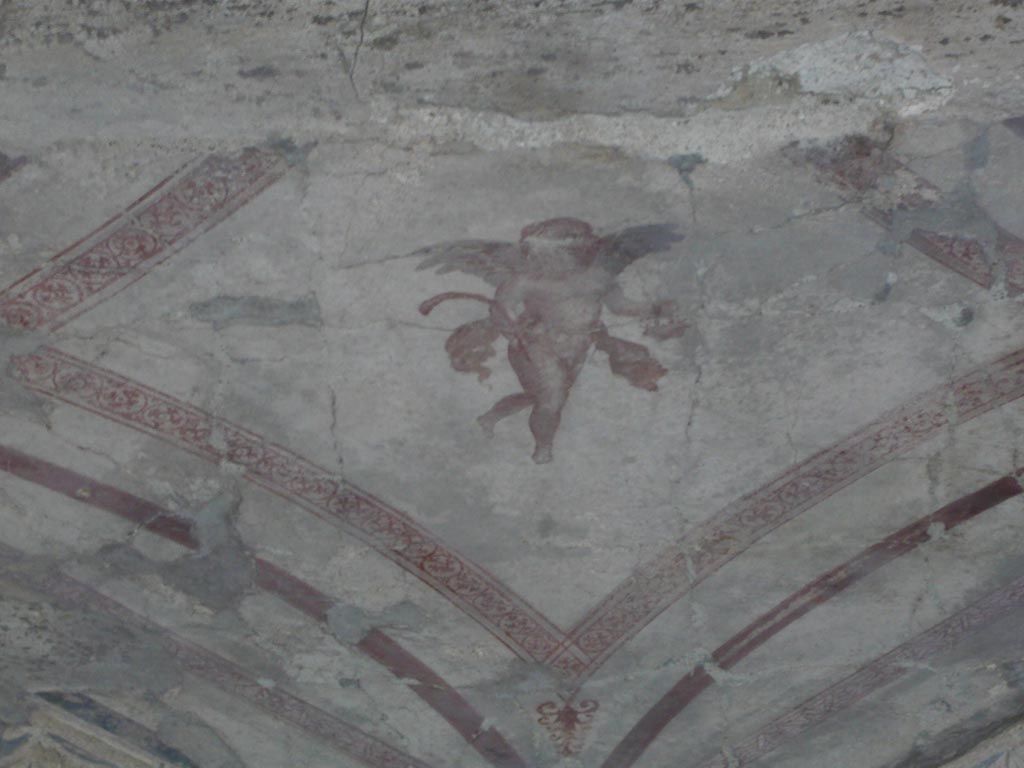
[431,687]
[861,167]
[122,251]
[652,589]
[869,678]
[799,604]
[218,670]
[659,583]
[389,531]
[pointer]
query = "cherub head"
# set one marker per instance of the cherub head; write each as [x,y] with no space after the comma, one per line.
[557,246]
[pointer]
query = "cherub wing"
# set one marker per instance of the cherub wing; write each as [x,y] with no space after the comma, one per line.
[620,249]
[491,260]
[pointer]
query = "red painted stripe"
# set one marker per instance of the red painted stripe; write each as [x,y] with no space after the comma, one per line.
[800,603]
[871,677]
[274,579]
[389,531]
[442,698]
[429,686]
[648,592]
[293,590]
[100,495]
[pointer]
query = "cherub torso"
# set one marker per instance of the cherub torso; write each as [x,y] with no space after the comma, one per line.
[556,305]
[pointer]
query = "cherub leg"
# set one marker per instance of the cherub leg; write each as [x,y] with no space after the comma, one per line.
[547,377]
[552,392]
[544,421]
[503,409]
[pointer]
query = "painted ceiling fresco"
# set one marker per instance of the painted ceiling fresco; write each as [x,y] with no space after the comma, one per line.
[401,435]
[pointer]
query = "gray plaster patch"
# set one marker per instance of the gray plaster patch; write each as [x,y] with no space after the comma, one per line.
[960,216]
[891,278]
[956,315]
[293,154]
[686,164]
[523,683]
[977,151]
[218,575]
[350,624]
[224,311]
[221,572]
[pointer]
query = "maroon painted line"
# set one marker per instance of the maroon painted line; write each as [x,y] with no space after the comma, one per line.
[129,246]
[293,590]
[535,637]
[100,495]
[651,589]
[799,604]
[219,671]
[442,698]
[428,685]
[878,673]
[659,583]
[274,579]
[390,532]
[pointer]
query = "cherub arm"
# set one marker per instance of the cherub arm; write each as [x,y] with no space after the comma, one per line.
[617,302]
[505,309]
[662,321]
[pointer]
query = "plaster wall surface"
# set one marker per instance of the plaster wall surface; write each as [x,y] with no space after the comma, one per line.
[584,384]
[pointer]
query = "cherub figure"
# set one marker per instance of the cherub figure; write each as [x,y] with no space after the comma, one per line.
[551,289]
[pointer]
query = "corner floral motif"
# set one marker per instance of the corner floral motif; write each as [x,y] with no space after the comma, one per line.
[567,723]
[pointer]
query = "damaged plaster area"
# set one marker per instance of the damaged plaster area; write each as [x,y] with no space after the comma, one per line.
[821,90]
[468,384]
[70,649]
[217,575]
[860,66]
